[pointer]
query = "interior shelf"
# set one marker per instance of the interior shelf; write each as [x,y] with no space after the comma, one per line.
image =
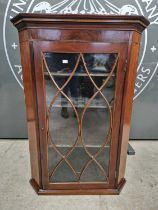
[55,74]
[88,146]
[80,103]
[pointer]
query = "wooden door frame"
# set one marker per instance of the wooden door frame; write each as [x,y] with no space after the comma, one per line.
[91,47]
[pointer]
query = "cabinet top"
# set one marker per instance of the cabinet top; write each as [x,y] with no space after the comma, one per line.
[29,20]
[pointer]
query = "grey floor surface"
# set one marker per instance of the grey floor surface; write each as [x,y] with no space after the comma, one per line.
[139,193]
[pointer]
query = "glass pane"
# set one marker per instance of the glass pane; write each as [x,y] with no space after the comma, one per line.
[79,100]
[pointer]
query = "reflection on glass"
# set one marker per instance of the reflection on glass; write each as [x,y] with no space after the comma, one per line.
[79,98]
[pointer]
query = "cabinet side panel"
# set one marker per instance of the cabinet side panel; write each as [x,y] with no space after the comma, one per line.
[31,108]
[132,62]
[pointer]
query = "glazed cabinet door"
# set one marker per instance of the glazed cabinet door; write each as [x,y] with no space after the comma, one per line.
[79,95]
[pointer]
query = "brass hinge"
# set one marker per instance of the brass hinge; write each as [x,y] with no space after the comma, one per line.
[125,68]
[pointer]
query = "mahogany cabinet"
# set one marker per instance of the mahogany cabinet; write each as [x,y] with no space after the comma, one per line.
[79,74]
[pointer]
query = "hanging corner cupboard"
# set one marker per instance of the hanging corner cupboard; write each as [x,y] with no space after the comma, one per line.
[79,74]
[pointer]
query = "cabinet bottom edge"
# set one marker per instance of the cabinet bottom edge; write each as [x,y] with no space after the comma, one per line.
[115,191]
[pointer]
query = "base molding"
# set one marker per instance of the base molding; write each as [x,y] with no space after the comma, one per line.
[115,191]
